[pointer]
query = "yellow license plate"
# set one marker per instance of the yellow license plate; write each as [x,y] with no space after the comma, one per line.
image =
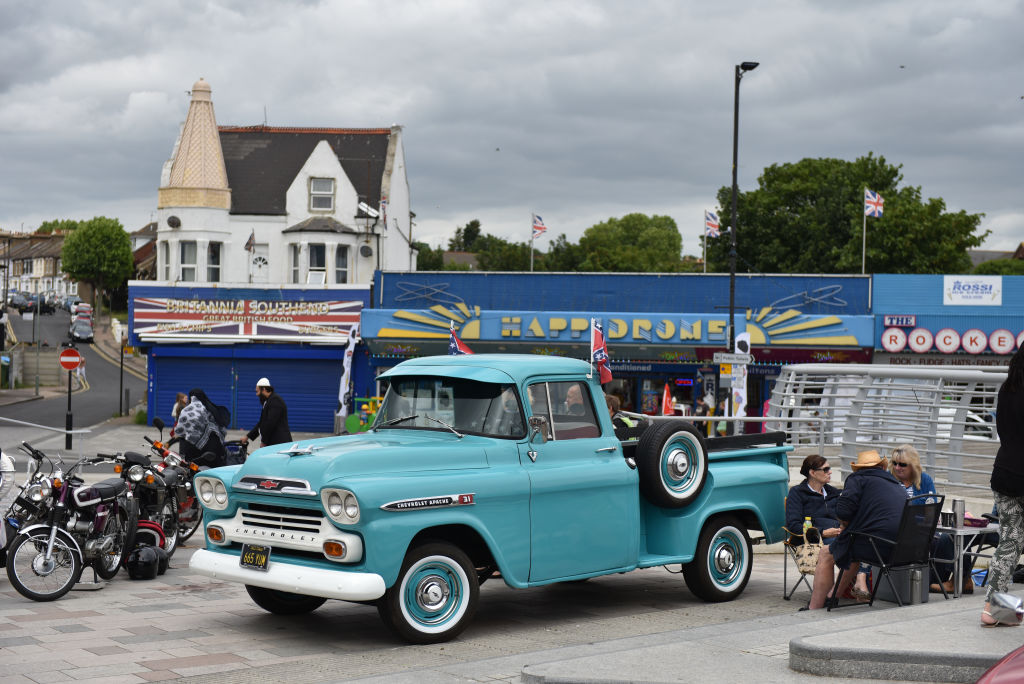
[254,557]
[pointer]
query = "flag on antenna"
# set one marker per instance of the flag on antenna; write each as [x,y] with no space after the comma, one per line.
[599,351]
[455,345]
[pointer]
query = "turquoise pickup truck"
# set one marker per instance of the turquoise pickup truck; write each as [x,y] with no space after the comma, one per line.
[485,466]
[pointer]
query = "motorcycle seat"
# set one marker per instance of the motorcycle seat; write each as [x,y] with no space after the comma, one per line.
[135,458]
[100,492]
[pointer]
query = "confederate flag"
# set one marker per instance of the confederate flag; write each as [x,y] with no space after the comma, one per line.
[599,352]
[455,345]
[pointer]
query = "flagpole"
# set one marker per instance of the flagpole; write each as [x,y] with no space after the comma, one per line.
[591,360]
[705,236]
[864,232]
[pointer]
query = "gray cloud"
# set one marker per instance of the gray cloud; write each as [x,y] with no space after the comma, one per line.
[575,110]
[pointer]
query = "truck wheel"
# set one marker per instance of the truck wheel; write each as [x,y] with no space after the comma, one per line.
[672,461]
[434,597]
[283,602]
[721,567]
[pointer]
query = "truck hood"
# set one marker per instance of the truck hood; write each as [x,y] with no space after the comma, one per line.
[387,451]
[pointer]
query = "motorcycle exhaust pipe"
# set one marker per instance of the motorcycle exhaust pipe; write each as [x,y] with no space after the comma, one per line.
[98,547]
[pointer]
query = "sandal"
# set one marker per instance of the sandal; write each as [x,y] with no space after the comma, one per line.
[994,623]
[861,595]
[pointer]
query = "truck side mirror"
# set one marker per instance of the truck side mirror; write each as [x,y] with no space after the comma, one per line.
[538,429]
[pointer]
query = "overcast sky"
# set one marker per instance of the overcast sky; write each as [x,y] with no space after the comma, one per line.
[578,111]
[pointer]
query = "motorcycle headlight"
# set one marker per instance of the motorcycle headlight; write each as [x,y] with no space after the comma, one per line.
[212,493]
[136,473]
[38,491]
[341,505]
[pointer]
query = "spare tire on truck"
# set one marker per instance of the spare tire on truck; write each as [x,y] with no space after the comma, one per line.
[672,462]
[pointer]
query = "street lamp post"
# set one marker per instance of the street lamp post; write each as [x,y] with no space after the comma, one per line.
[740,70]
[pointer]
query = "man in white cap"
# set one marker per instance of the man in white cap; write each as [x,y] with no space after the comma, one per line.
[273,425]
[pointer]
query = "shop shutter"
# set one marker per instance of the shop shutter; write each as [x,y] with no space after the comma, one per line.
[309,388]
[177,374]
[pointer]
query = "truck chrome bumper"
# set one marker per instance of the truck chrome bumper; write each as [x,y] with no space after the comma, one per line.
[297,579]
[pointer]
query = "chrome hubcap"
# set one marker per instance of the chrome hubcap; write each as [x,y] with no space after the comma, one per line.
[431,593]
[678,463]
[725,559]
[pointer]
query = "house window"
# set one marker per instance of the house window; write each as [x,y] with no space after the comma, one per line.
[188,261]
[165,259]
[341,264]
[317,273]
[213,262]
[295,263]
[321,194]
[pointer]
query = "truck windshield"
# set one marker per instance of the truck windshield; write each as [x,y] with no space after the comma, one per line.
[480,408]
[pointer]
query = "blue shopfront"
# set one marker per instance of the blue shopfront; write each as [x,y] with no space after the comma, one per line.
[224,339]
[948,320]
[660,329]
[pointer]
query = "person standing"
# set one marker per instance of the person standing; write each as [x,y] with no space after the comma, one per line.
[1008,483]
[273,425]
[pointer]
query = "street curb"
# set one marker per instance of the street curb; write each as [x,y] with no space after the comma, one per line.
[871,663]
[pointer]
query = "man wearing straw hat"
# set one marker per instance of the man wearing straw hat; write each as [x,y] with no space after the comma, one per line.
[872,501]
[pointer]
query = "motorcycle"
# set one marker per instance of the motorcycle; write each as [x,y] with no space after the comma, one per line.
[64,525]
[154,491]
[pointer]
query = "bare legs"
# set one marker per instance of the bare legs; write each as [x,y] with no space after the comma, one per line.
[824,577]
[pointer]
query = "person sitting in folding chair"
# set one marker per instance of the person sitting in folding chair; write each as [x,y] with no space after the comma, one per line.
[872,501]
[813,498]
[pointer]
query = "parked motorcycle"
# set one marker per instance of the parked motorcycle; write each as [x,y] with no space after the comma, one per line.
[64,524]
[154,491]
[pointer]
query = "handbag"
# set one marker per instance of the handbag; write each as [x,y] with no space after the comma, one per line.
[806,554]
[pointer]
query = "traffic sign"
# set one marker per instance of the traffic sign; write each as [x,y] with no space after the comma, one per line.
[69,359]
[723,357]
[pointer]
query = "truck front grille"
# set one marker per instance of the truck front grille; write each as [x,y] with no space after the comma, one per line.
[282,518]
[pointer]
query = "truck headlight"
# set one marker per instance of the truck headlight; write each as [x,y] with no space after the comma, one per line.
[341,505]
[212,493]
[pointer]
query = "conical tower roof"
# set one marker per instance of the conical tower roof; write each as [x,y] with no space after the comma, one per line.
[198,177]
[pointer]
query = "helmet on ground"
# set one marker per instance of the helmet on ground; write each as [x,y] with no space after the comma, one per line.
[143,563]
[149,532]
[162,560]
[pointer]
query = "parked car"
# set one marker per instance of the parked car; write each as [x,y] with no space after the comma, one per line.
[19,303]
[81,330]
[483,466]
[69,303]
[81,308]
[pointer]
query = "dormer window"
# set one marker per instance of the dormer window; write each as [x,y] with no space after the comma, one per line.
[321,194]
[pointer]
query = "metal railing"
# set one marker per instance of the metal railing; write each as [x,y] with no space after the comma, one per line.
[946,413]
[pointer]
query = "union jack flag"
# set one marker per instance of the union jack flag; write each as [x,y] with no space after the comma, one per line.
[872,203]
[455,345]
[599,351]
[538,227]
[251,242]
[711,224]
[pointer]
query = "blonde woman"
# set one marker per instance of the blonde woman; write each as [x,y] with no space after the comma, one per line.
[905,465]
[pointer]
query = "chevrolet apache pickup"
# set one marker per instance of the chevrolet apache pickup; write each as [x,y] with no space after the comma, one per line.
[484,466]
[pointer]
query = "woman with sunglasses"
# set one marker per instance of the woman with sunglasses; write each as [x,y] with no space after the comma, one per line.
[814,498]
[905,465]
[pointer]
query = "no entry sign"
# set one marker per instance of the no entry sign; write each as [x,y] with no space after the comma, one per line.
[70,359]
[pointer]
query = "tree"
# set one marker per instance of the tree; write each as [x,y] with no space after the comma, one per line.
[807,217]
[98,252]
[58,226]
[1000,267]
[562,255]
[465,237]
[428,259]
[633,243]
[497,254]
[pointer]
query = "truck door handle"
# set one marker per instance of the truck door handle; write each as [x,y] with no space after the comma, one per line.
[603,449]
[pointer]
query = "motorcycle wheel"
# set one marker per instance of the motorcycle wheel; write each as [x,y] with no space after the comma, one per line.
[36,578]
[167,519]
[190,517]
[120,526]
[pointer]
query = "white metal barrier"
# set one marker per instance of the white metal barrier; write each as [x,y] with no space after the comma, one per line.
[946,413]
